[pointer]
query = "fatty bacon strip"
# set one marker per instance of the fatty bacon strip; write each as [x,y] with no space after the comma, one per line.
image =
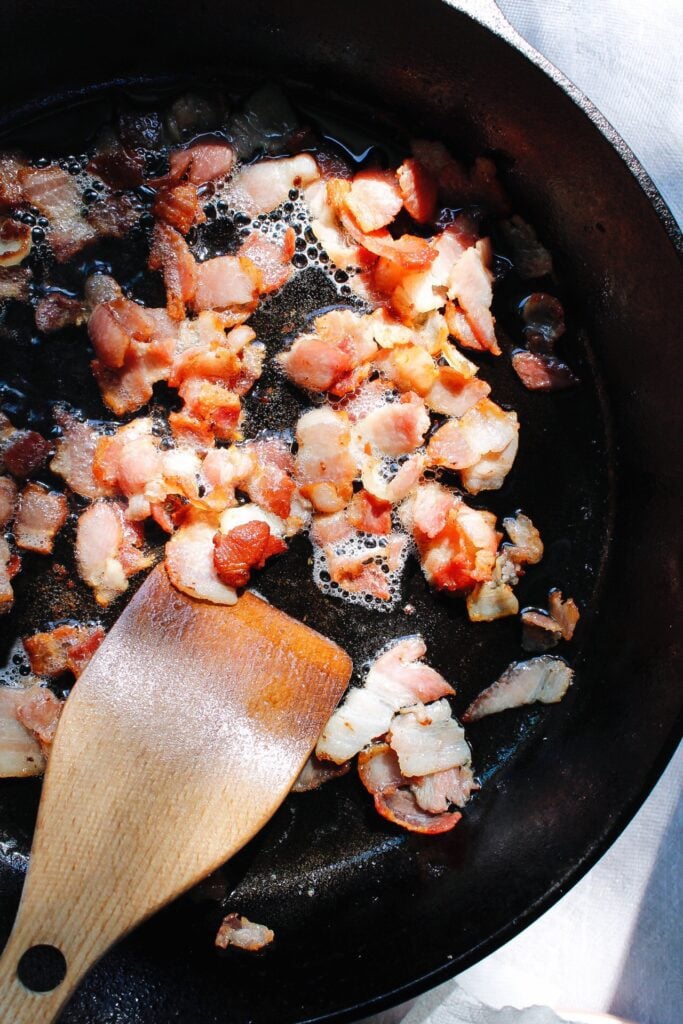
[413,757]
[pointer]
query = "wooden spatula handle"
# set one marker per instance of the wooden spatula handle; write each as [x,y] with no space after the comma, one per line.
[18,1004]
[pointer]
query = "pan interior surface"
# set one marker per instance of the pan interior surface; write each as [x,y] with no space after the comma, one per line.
[363,913]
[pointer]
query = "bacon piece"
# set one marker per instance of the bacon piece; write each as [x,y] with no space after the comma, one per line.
[493,433]
[201,162]
[266,476]
[41,513]
[65,648]
[10,565]
[20,753]
[342,342]
[545,679]
[145,339]
[11,195]
[25,452]
[325,468]
[189,431]
[15,242]
[114,326]
[369,514]
[39,712]
[170,254]
[565,613]
[190,564]
[395,489]
[374,199]
[459,327]
[418,190]
[409,367]
[213,405]
[242,549]
[540,631]
[113,216]
[543,373]
[118,166]
[58,197]
[273,261]
[179,206]
[436,793]
[108,550]
[402,809]
[14,283]
[428,739]
[57,310]
[227,282]
[8,500]
[457,184]
[261,187]
[243,933]
[471,284]
[494,598]
[527,546]
[396,429]
[449,447]
[74,454]
[316,772]
[451,394]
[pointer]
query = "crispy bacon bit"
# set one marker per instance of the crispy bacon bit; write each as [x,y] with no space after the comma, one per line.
[565,613]
[273,261]
[114,326]
[202,162]
[8,500]
[316,772]
[471,284]
[418,190]
[543,373]
[10,565]
[108,550]
[374,199]
[65,648]
[57,195]
[495,598]
[242,549]
[41,513]
[15,242]
[530,257]
[14,283]
[494,434]
[74,454]
[449,447]
[39,713]
[243,933]
[527,546]
[170,254]
[25,452]
[20,753]
[409,367]
[179,206]
[545,679]
[57,310]
[540,632]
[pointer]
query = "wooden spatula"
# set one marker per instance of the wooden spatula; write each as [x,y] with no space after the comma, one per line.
[178,743]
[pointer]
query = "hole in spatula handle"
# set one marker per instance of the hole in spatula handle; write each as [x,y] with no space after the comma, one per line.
[42,968]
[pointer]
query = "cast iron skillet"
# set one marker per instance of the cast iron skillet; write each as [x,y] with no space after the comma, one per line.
[367,916]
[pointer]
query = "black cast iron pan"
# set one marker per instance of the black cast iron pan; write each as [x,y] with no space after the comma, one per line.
[365,915]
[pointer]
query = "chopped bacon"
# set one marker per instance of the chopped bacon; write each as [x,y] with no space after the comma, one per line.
[179,206]
[316,772]
[369,514]
[41,513]
[459,327]
[201,162]
[418,190]
[374,199]
[20,753]
[437,792]
[15,242]
[114,326]
[190,563]
[108,550]
[545,679]
[453,395]
[543,373]
[261,187]
[14,283]
[242,549]
[540,631]
[243,933]
[210,403]
[494,434]
[65,648]
[227,282]
[135,348]
[74,454]
[117,166]
[113,216]
[395,489]
[470,283]
[267,475]
[272,260]
[57,195]
[57,310]
[527,546]
[25,452]
[409,367]
[325,468]
[170,254]
[449,447]
[428,739]
[39,713]
[456,183]
[8,500]
[494,598]
[10,565]
[11,195]
[565,613]
[397,428]
[325,360]
[402,809]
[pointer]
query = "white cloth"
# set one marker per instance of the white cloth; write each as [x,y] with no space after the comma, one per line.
[614,943]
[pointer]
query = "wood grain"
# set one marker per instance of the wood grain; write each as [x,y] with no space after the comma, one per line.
[177,744]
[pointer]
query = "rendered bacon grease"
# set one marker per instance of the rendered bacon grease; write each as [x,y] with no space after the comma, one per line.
[398,441]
